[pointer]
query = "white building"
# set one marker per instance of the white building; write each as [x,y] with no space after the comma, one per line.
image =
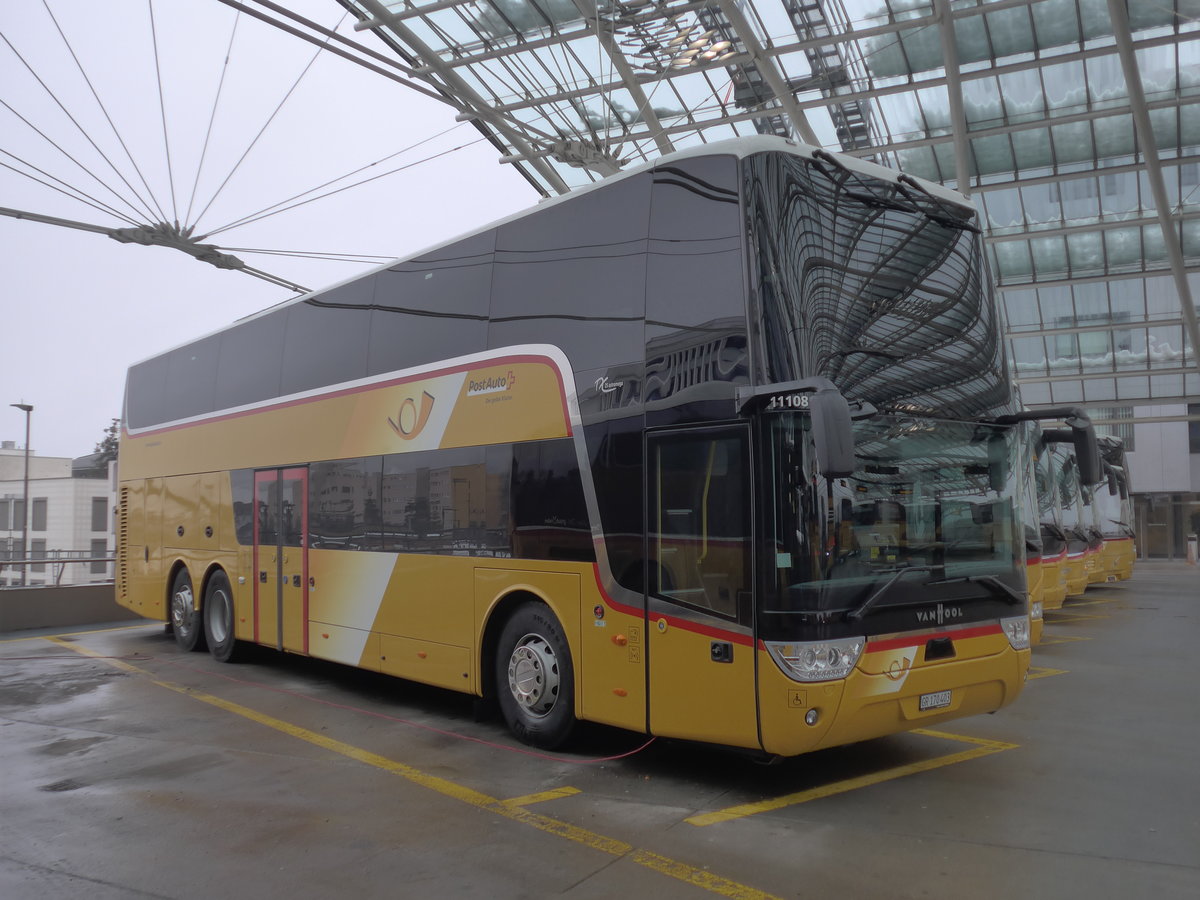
[70,517]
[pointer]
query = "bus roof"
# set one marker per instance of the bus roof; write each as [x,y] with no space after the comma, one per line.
[740,148]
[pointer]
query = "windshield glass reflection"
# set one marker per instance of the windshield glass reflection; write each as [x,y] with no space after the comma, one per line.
[934,496]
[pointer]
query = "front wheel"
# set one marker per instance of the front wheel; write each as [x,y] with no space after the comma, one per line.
[535,680]
[185,621]
[218,619]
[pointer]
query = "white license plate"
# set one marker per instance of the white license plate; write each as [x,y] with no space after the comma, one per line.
[936,700]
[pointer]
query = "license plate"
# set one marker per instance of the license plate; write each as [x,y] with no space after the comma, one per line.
[936,700]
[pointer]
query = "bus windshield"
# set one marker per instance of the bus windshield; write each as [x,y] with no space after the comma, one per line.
[934,497]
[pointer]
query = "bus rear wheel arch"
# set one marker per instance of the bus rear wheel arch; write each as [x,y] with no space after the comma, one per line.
[183,616]
[534,677]
[219,618]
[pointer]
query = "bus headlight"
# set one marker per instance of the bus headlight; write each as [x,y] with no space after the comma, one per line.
[1016,630]
[816,660]
[1035,610]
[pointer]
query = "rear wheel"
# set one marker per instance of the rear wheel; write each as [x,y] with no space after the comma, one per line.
[535,680]
[218,619]
[185,620]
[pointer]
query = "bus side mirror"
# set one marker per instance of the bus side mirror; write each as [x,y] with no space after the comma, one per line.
[833,432]
[1087,453]
[1113,487]
[997,463]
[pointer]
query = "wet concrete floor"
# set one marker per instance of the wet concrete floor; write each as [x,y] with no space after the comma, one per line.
[134,770]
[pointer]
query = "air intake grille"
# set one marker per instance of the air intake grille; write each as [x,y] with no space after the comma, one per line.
[123,545]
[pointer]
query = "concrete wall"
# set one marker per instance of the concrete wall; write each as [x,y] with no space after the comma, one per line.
[60,607]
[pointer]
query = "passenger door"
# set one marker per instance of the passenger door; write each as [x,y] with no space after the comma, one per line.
[281,558]
[699,609]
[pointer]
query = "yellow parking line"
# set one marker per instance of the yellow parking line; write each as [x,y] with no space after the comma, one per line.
[1075,604]
[983,748]
[670,867]
[1060,615]
[1041,672]
[542,797]
[1063,639]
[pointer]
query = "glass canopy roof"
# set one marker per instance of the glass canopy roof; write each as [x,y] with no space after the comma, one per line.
[1072,124]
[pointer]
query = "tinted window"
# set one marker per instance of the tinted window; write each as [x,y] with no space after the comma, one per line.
[146,394]
[616,451]
[437,502]
[251,355]
[280,506]
[695,290]
[699,530]
[549,516]
[326,339]
[582,265]
[344,504]
[589,344]
[242,489]
[191,379]
[434,307]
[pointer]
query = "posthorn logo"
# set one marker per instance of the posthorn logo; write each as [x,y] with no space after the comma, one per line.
[410,419]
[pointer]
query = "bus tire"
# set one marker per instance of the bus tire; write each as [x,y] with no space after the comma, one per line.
[535,680]
[219,619]
[185,620]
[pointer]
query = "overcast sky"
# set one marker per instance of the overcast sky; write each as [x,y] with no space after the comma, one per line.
[76,309]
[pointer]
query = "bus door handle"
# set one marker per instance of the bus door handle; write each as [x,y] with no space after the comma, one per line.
[262,576]
[721,651]
[295,581]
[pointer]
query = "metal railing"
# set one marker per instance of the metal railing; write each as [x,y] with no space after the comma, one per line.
[58,560]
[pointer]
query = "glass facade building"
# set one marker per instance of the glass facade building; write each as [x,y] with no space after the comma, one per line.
[1071,124]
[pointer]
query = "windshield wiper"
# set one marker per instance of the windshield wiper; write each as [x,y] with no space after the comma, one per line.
[887,586]
[1011,595]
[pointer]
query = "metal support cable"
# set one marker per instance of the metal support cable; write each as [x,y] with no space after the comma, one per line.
[258,136]
[267,209]
[328,256]
[162,105]
[108,118]
[69,190]
[251,220]
[54,144]
[296,32]
[212,118]
[160,236]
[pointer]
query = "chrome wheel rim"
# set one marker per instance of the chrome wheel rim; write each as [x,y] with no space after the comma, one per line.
[533,675]
[220,616]
[181,609]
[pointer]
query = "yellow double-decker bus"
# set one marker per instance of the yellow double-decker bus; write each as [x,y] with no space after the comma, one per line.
[1045,541]
[1053,537]
[1114,510]
[714,449]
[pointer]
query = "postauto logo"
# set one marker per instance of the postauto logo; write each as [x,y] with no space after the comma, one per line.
[491,384]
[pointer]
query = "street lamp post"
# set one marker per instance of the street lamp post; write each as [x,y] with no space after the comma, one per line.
[27,409]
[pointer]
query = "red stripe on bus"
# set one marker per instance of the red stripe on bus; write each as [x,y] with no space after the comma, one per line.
[916,640]
[733,637]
